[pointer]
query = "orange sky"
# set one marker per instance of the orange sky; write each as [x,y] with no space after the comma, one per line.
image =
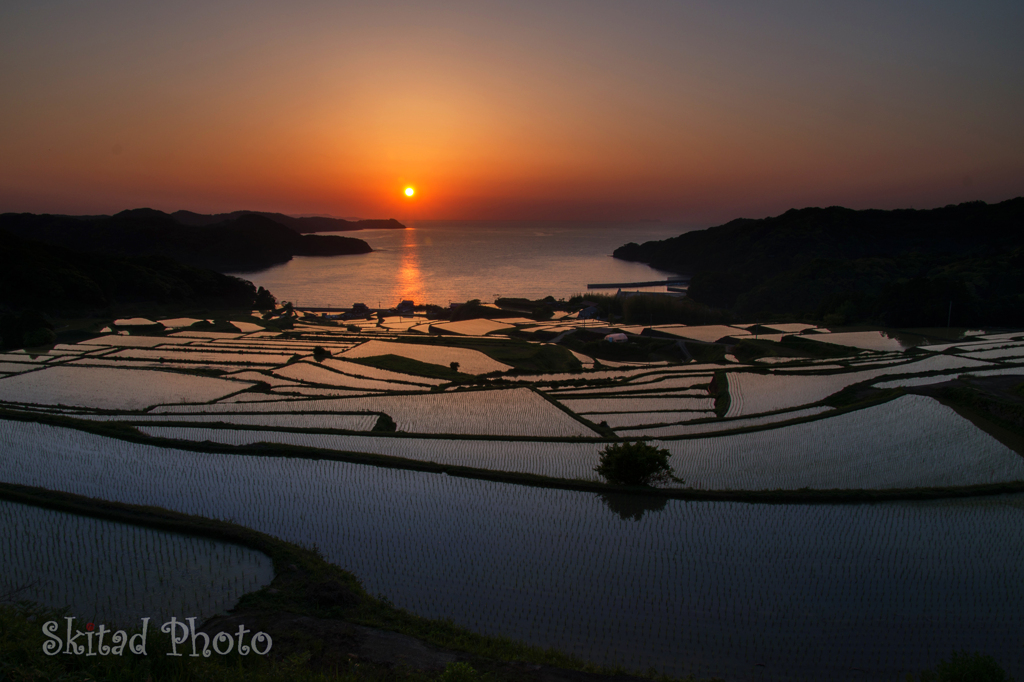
[697,112]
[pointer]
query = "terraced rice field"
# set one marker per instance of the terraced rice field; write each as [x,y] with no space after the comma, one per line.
[807,591]
[721,424]
[755,393]
[274,396]
[1019,370]
[631,372]
[346,422]
[260,341]
[314,374]
[661,383]
[556,459]
[989,345]
[805,370]
[707,588]
[639,404]
[189,334]
[510,412]
[336,392]
[470,361]
[706,333]
[789,328]
[134,322]
[869,448]
[471,327]
[614,363]
[909,382]
[201,355]
[864,340]
[117,574]
[179,322]
[620,421]
[270,379]
[24,358]
[877,361]
[112,389]
[997,354]
[106,361]
[15,367]
[1005,335]
[359,370]
[134,341]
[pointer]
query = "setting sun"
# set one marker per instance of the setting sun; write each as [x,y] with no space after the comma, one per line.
[409,191]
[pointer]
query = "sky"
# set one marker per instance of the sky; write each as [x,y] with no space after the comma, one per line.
[695,112]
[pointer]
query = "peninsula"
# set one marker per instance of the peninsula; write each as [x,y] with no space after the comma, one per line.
[233,242]
[961,264]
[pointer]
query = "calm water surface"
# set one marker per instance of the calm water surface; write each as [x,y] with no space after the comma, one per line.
[440,262]
[116,573]
[741,591]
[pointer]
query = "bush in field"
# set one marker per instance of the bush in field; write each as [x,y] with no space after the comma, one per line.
[41,336]
[965,667]
[385,424]
[30,328]
[635,463]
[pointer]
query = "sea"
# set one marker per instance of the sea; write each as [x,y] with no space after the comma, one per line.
[442,262]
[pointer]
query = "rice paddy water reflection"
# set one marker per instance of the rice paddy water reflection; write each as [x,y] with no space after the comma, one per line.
[117,573]
[777,592]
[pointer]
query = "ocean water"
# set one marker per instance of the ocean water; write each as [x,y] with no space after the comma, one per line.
[447,261]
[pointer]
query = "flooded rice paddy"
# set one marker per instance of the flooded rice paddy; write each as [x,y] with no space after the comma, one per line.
[712,588]
[737,590]
[116,573]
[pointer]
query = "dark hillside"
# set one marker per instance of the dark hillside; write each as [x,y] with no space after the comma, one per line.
[60,281]
[249,242]
[301,225]
[900,267]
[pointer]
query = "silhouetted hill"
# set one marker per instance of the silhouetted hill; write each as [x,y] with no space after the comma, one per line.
[58,280]
[248,242]
[301,225]
[901,267]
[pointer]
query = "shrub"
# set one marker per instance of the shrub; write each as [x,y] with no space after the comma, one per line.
[40,336]
[25,329]
[635,463]
[385,424]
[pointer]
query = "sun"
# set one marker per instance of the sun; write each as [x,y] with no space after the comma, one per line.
[409,191]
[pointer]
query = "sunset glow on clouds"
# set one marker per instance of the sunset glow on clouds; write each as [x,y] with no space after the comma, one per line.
[698,112]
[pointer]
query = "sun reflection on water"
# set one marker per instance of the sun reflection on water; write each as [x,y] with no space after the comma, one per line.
[409,284]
